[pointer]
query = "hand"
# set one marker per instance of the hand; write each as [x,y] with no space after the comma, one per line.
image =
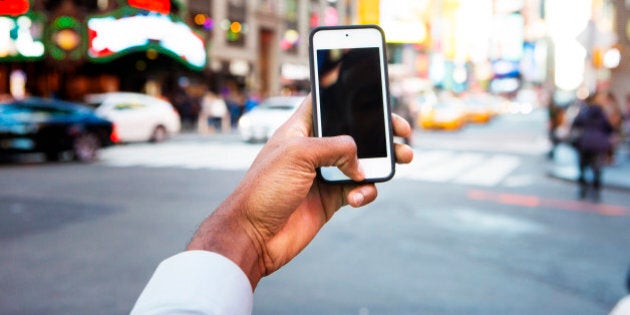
[279,206]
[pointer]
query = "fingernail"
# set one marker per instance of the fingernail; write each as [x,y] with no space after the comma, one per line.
[358,199]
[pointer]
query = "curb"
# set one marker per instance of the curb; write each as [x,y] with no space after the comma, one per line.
[552,173]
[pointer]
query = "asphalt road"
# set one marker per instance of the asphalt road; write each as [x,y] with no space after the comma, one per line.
[84,239]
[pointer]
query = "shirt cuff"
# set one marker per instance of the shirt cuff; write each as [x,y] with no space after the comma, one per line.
[198,282]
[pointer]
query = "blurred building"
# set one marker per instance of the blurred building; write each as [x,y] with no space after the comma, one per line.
[262,45]
[617,56]
[69,48]
[503,46]
[460,45]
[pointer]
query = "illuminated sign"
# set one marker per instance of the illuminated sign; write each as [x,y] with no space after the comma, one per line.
[21,38]
[368,12]
[110,37]
[403,21]
[161,6]
[507,40]
[14,7]
[66,39]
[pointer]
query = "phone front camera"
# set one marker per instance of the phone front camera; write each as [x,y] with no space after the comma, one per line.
[346,35]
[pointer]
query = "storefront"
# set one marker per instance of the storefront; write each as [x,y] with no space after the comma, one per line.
[68,51]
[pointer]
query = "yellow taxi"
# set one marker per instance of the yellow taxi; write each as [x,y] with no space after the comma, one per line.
[447,115]
[477,111]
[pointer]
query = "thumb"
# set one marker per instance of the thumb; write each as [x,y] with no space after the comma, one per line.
[339,151]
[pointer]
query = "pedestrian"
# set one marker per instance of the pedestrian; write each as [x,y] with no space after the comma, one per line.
[592,131]
[274,212]
[556,115]
[213,114]
[253,99]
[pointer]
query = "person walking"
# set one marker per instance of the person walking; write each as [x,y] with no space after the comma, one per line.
[214,113]
[593,131]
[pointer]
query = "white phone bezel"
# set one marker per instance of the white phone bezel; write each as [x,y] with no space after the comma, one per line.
[376,169]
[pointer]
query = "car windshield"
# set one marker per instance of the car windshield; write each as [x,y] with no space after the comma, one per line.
[39,110]
[280,104]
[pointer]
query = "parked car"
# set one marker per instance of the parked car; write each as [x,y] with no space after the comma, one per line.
[260,123]
[448,115]
[53,127]
[138,117]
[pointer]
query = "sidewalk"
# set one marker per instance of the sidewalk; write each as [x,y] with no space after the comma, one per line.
[564,166]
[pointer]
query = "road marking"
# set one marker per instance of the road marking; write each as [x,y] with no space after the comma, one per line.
[184,155]
[491,172]
[448,170]
[531,201]
[480,169]
[471,220]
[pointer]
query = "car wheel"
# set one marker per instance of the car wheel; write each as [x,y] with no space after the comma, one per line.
[85,147]
[52,156]
[159,134]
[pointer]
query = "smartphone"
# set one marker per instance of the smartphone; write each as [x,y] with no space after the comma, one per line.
[351,96]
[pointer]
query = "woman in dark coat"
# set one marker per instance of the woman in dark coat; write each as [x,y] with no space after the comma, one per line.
[592,143]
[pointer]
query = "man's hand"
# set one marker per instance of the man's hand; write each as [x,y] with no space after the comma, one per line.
[279,206]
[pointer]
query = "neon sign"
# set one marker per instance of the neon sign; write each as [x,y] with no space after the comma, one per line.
[21,38]
[14,7]
[161,6]
[110,37]
[66,39]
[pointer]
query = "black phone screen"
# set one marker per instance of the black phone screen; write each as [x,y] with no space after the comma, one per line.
[351,98]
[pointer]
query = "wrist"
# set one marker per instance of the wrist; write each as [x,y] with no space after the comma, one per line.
[224,233]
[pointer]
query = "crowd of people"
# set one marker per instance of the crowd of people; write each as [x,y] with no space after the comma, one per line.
[210,110]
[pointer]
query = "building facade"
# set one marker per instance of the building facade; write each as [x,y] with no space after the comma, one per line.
[67,48]
[175,49]
[620,74]
[262,45]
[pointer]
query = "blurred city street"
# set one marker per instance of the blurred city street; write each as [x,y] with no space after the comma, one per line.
[125,123]
[440,239]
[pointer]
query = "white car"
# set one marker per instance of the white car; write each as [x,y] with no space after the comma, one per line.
[137,117]
[260,123]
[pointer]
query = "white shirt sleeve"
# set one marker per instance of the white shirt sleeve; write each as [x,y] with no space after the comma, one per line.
[196,282]
[622,307]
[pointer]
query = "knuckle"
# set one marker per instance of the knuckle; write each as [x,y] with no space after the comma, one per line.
[295,146]
[347,143]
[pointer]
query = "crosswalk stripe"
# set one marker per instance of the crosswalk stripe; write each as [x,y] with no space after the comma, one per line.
[421,160]
[469,168]
[448,170]
[192,156]
[491,172]
[463,168]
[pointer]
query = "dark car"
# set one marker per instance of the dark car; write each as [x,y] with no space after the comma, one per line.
[53,127]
